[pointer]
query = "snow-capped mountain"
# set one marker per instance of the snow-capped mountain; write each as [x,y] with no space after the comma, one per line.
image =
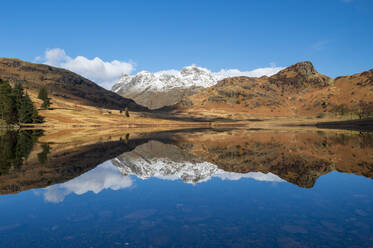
[189,76]
[155,90]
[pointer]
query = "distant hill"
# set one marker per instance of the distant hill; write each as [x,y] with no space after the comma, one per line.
[297,91]
[63,84]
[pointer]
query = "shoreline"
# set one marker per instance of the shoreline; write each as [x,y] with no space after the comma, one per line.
[354,125]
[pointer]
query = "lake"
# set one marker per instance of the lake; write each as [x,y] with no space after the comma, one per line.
[186,188]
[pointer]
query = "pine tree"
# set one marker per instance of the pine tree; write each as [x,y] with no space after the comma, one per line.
[18,94]
[43,95]
[4,100]
[26,110]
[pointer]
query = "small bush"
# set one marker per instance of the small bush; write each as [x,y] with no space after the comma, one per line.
[126,113]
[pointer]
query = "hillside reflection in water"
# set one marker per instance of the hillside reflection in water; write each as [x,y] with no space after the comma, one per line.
[185,188]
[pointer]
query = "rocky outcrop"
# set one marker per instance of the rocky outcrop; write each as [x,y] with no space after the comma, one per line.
[300,76]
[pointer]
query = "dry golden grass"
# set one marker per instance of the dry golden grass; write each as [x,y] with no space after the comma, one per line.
[65,114]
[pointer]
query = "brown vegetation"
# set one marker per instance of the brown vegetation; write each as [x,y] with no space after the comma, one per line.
[298,91]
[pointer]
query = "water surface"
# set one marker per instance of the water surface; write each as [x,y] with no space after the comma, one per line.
[188,188]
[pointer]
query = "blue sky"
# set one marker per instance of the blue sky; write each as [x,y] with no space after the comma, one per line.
[336,35]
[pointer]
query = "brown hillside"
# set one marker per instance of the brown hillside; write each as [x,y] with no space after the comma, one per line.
[64,84]
[297,91]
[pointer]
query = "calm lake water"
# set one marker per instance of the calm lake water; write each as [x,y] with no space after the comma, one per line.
[189,188]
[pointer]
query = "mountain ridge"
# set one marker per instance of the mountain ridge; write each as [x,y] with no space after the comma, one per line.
[165,88]
[296,91]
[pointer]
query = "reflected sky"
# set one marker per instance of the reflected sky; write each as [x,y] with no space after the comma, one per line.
[113,210]
[108,176]
[105,176]
[257,190]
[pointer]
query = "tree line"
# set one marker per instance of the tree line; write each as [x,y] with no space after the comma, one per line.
[16,105]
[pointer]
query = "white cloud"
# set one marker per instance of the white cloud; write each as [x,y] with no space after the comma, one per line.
[266,71]
[105,176]
[105,73]
[102,72]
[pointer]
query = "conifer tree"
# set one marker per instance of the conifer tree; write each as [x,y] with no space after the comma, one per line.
[26,110]
[18,94]
[4,100]
[43,95]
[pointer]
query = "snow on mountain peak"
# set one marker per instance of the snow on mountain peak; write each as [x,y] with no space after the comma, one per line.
[189,76]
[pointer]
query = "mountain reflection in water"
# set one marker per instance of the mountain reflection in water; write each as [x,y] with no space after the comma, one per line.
[109,176]
[299,157]
[186,188]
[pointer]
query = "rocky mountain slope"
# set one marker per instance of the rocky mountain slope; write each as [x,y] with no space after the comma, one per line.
[63,84]
[164,88]
[297,91]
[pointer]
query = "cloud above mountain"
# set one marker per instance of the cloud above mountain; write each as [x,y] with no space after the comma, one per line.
[102,72]
[266,71]
[106,73]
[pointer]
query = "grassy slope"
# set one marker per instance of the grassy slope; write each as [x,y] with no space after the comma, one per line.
[292,93]
[64,114]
